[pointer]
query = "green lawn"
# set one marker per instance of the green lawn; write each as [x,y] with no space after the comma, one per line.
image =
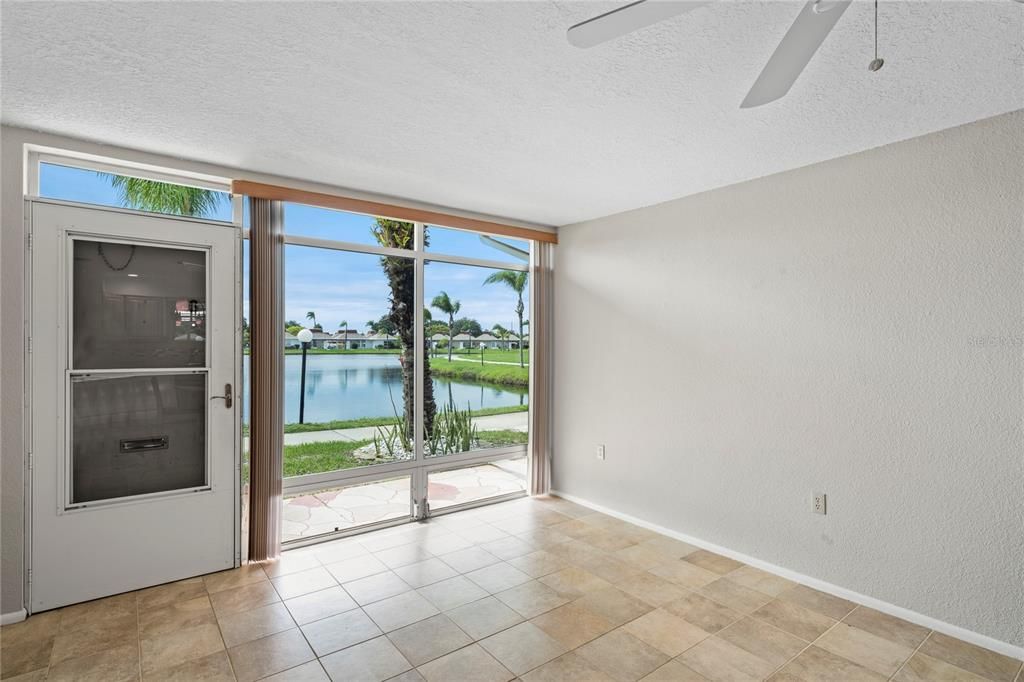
[489,355]
[333,455]
[507,375]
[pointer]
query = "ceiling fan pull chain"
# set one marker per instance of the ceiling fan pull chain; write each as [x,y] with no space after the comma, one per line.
[877,62]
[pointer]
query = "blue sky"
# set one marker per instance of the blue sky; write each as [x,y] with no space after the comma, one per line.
[339,285]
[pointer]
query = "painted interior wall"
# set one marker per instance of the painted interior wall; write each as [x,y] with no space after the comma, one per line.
[852,327]
[12,312]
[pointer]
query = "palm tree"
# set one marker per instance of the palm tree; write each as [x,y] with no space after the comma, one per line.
[401,276]
[451,308]
[312,316]
[516,281]
[501,332]
[344,325]
[163,197]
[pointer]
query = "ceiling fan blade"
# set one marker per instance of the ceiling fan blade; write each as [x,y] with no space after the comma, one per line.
[801,41]
[627,19]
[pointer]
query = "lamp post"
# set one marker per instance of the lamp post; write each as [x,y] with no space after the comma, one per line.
[304,336]
[482,346]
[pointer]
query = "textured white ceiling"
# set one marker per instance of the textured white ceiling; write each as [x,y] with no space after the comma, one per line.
[484,106]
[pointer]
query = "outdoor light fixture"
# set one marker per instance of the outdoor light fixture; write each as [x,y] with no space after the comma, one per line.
[304,336]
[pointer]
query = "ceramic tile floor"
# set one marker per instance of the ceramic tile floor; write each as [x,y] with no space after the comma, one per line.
[534,589]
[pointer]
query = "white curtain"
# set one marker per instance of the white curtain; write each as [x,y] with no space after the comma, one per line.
[541,351]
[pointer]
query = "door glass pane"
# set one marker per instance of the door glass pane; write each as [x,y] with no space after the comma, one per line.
[138,306]
[339,508]
[133,435]
[478,360]
[476,482]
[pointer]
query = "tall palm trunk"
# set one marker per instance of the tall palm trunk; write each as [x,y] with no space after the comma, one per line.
[519,312]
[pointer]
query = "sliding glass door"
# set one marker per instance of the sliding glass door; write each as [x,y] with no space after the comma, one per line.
[406,387]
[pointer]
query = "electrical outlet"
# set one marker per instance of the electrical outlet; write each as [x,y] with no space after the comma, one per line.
[600,452]
[818,503]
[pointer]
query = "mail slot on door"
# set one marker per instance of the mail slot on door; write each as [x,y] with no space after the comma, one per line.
[144,444]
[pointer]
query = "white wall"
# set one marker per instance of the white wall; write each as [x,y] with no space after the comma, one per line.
[852,327]
[12,293]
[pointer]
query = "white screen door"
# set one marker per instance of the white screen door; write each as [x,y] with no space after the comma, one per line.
[134,442]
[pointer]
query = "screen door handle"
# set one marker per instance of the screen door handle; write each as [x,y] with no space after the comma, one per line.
[226,397]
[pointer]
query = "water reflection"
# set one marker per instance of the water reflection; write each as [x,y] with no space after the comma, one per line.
[352,386]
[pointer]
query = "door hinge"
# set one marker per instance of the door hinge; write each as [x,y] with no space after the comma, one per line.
[28,343]
[28,576]
[30,461]
[28,241]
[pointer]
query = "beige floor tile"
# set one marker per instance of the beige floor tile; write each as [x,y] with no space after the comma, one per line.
[484,617]
[303,582]
[235,577]
[89,640]
[622,656]
[354,568]
[427,572]
[243,598]
[817,664]
[403,555]
[762,581]
[523,647]
[317,605]
[376,587]
[180,646]
[531,598]
[293,561]
[864,648]
[722,661]
[573,624]
[213,668]
[38,675]
[615,605]
[674,671]
[652,589]
[452,593]
[481,534]
[684,574]
[970,657]
[670,547]
[642,555]
[408,676]
[570,667]
[924,668]
[705,613]
[24,654]
[34,628]
[264,657]
[337,632]
[538,563]
[819,602]
[573,582]
[468,663]
[444,544]
[498,577]
[162,595]
[372,661]
[401,610]
[311,671]
[469,559]
[99,612]
[763,640]
[887,627]
[116,664]
[735,596]
[429,639]
[508,547]
[610,569]
[796,620]
[176,616]
[716,563]
[245,626]
[609,541]
[668,634]
[543,538]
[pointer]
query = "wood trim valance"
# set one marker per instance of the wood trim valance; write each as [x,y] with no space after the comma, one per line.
[373,208]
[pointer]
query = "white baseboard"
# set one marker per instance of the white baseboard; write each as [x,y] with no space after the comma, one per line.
[970,636]
[13,617]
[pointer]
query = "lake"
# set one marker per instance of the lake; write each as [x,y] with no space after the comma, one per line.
[351,386]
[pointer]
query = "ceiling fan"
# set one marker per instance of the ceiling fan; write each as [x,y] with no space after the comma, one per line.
[808,32]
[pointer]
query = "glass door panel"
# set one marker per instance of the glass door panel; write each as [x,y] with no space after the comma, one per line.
[476,482]
[138,306]
[137,435]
